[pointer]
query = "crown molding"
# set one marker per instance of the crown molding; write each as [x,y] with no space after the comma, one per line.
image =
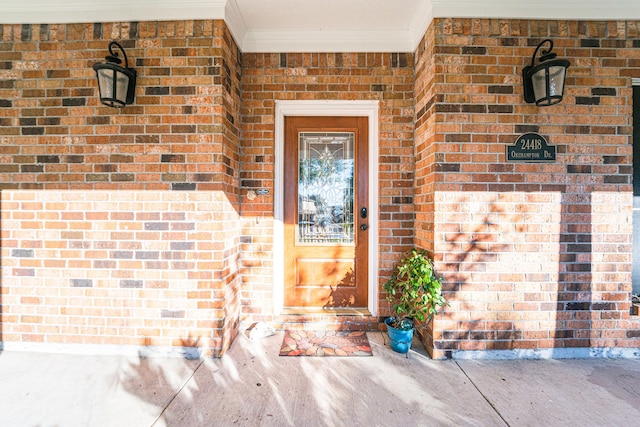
[81,11]
[295,40]
[235,22]
[542,9]
[249,40]
[421,21]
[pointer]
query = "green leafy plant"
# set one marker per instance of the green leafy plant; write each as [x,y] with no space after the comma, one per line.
[414,290]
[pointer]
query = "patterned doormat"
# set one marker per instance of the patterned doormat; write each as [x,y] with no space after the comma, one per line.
[325,343]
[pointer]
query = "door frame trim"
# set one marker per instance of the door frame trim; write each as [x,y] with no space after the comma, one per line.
[367,109]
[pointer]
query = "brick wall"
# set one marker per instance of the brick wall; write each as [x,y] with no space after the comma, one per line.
[266,78]
[536,257]
[129,227]
[427,157]
[120,226]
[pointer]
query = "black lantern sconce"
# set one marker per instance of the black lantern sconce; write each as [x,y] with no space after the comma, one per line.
[117,85]
[544,83]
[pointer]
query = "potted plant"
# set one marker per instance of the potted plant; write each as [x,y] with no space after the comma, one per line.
[414,293]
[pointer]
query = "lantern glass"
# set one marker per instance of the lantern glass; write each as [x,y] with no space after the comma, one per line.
[113,87]
[548,84]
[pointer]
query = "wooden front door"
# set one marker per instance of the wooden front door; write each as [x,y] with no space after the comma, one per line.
[326,212]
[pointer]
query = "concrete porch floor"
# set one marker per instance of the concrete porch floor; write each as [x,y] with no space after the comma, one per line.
[252,386]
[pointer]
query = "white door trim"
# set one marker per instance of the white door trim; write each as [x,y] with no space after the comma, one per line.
[367,109]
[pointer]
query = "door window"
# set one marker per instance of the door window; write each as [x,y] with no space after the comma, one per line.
[325,188]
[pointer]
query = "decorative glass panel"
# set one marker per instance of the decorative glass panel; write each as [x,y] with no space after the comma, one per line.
[325,188]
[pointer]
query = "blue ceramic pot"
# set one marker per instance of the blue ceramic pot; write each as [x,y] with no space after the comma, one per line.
[400,338]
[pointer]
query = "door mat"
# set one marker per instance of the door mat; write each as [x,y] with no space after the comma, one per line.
[325,343]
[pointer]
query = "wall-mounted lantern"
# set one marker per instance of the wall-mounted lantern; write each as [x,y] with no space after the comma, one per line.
[544,83]
[117,85]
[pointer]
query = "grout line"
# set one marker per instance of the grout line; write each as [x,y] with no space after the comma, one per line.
[177,393]
[483,395]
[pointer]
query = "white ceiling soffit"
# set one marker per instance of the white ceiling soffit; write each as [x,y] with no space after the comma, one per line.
[314,25]
[331,25]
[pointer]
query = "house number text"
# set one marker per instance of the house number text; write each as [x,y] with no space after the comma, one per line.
[531,148]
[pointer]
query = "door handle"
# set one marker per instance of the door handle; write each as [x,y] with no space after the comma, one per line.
[363,213]
[364,227]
